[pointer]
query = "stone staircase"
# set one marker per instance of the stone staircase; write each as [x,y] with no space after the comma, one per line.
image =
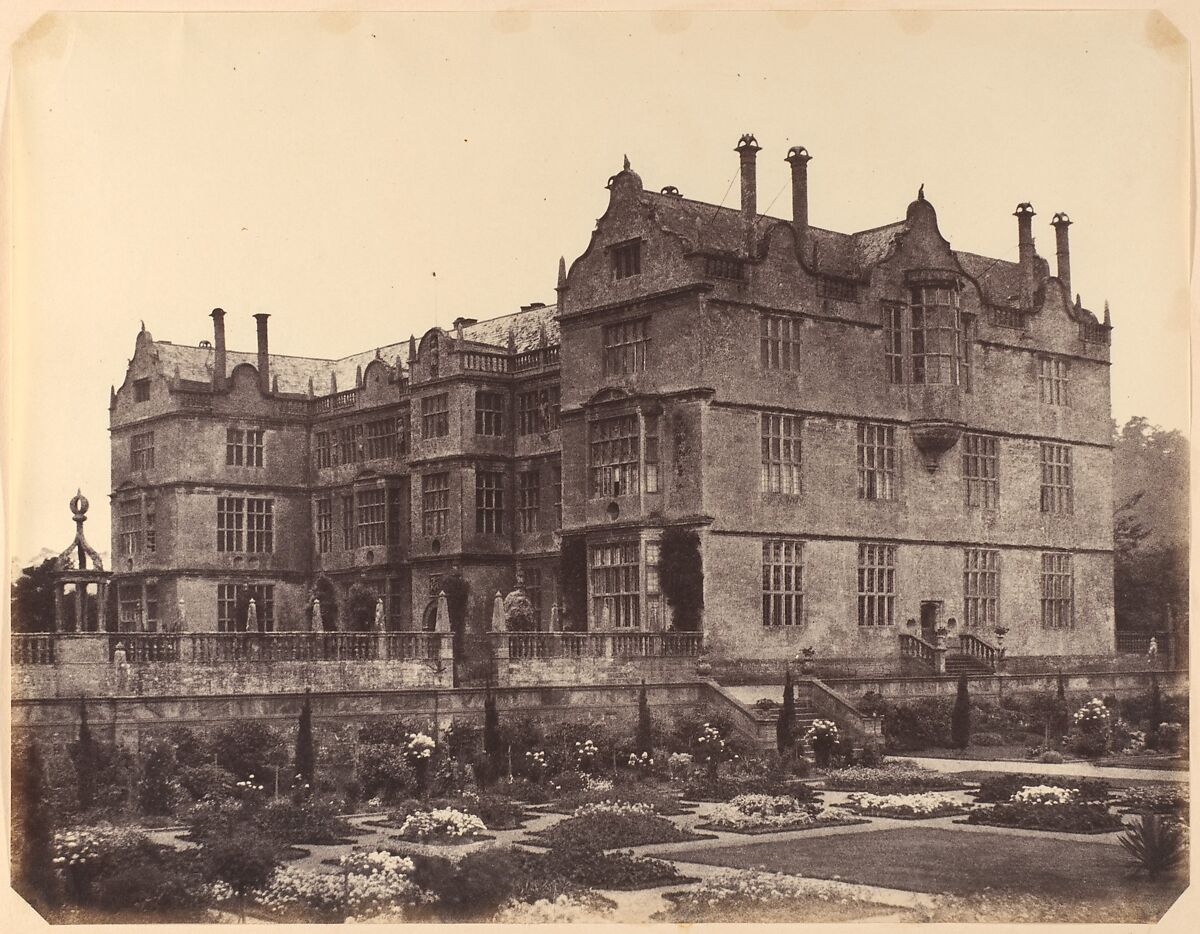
[957,663]
[814,700]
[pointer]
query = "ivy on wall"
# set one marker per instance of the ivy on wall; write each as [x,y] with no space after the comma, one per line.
[573,580]
[681,571]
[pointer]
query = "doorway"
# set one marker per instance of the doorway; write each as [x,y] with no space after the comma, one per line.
[931,612]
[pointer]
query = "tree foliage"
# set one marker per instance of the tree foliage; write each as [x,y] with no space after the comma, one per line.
[643,742]
[960,719]
[457,591]
[360,607]
[306,755]
[1150,524]
[85,757]
[681,572]
[33,835]
[33,598]
[493,741]
[785,726]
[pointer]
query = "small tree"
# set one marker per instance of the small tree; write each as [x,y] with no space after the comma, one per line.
[643,743]
[1059,721]
[245,861]
[682,574]
[960,720]
[1155,714]
[360,607]
[493,742]
[86,760]
[785,726]
[306,755]
[33,864]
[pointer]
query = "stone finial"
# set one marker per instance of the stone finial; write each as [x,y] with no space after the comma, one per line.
[562,271]
[921,192]
[311,391]
[274,382]
[1107,315]
[332,381]
[625,166]
[358,380]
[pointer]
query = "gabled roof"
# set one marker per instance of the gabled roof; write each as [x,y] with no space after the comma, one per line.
[195,364]
[999,280]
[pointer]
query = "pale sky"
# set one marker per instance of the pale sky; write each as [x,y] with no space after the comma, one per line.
[321,167]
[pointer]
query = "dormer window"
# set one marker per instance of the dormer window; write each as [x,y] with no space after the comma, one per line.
[627,259]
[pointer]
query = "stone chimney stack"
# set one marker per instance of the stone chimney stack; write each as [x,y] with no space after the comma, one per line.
[798,159]
[1060,224]
[264,358]
[747,149]
[218,376]
[1024,216]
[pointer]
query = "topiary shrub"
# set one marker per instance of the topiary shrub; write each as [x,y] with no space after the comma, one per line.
[681,572]
[960,719]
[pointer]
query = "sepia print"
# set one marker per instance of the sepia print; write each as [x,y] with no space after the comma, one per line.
[802,540]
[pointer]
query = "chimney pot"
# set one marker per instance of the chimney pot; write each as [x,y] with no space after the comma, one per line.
[747,149]
[264,358]
[218,377]
[1024,215]
[1063,249]
[798,158]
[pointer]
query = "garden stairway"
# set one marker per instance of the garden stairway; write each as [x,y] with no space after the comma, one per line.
[957,663]
[814,700]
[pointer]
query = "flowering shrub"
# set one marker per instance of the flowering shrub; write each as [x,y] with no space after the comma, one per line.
[441,824]
[363,884]
[898,776]
[565,909]
[1171,736]
[419,747]
[679,764]
[641,764]
[1092,731]
[1001,788]
[712,745]
[922,804]
[1044,794]
[536,765]
[613,807]
[586,756]
[597,786]
[823,734]
[754,812]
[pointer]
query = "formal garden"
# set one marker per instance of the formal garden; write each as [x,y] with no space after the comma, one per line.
[526,821]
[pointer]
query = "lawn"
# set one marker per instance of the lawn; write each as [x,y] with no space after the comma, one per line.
[926,859]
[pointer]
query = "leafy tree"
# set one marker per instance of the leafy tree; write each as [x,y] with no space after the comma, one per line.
[306,755]
[33,598]
[681,572]
[33,845]
[86,758]
[156,782]
[960,719]
[246,748]
[785,726]
[244,860]
[1150,559]
[493,742]
[644,741]
[360,607]
[572,577]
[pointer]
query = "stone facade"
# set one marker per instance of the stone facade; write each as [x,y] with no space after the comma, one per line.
[854,424]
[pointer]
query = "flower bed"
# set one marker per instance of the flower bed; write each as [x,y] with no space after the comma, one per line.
[1001,788]
[662,801]
[442,826]
[756,814]
[893,778]
[763,897]
[920,806]
[619,871]
[611,831]
[1172,801]
[1070,817]
[565,909]
[365,884]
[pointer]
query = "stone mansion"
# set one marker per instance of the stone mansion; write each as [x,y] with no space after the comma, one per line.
[876,437]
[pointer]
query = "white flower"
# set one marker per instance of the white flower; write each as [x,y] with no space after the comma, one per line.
[924,804]
[441,823]
[1044,794]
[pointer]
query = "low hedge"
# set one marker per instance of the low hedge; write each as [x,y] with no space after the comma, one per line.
[1071,818]
[890,778]
[1000,788]
[610,831]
